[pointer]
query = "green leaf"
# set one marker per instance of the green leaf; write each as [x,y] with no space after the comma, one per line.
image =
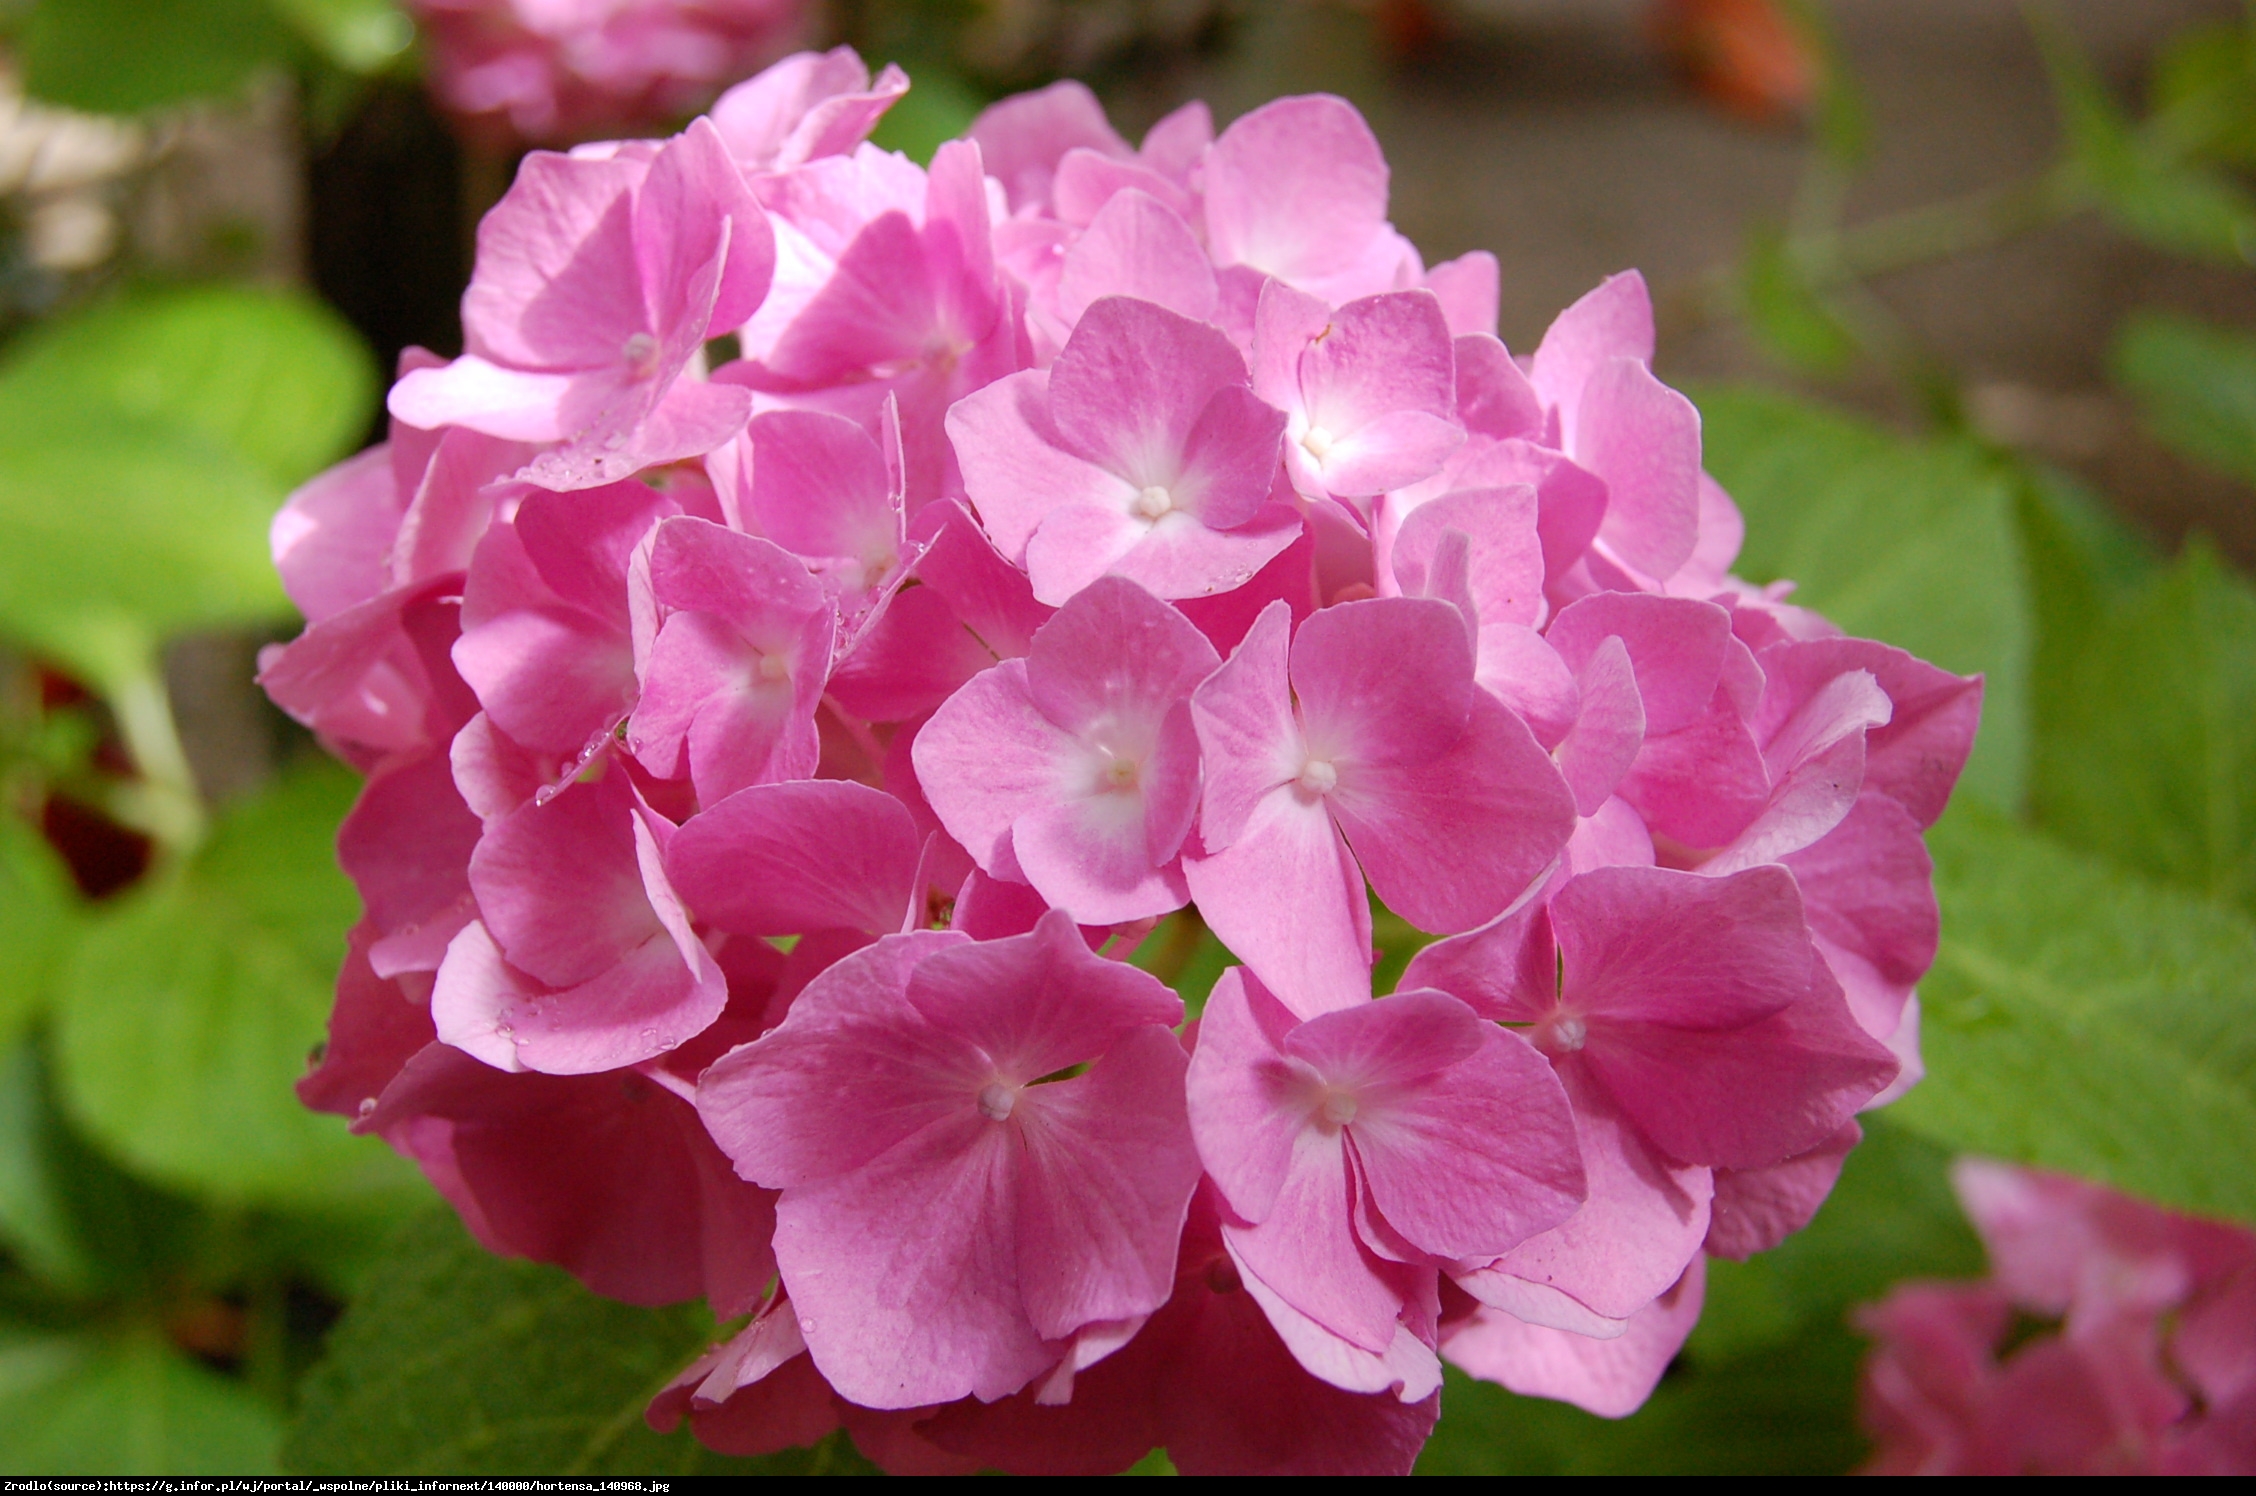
[1767,1384]
[360,36]
[186,1014]
[68,1215]
[273,377]
[2150,759]
[457,1362]
[2081,1019]
[1910,542]
[38,915]
[114,534]
[2150,193]
[2196,386]
[144,447]
[124,56]
[134,1406]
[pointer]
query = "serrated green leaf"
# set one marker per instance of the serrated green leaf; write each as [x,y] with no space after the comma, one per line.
[1767,1384]
[2081,1019]
[133,1406]
[1910,542]
[457,1362]
[273,377]
[185,1015]
[2150,757]
[125,56]
[2196,386]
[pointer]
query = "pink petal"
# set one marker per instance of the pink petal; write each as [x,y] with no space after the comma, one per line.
[1039,1002]
[1463,1135]
[1023,137]
[1613,321]
[1016,468]
[790,859]
[1676,645]
[1641,1226]
[1602,744]
[1137,246]
[989,756]
[1611,1378]
[1407,1367]
[1643,439]
[1468,288]
[1382,682]
[1297,188]
[1108,1178]
[473,392]
[1287,897]
[1449,842]
[1246,727]
[1756,1209]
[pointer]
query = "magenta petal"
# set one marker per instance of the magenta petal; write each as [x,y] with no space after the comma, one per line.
[1613,321]
[1745,1098]
[1090,856]
[1602,744]
[1657,946]
[1383,681]
[1675,644]
[1246,1104]
[933,1221]
[1462,1132]
[1244,717]
[1407,1368]
[775,1105]
[1287,898]
[1642,1224]
[989,756]
[1307,1252]
[790,859]
[819,486]
[1611,1378]
[548,676]
[1643,438]
[1507,970]
[1109,1170]
[1449,842]
[1297,188]
[559,885]
[1066,1004]
[1505,558]
[1756,1209]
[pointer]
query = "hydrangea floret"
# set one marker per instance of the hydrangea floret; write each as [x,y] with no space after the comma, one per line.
[773,766]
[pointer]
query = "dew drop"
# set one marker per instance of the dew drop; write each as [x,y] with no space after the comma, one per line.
[367,1105]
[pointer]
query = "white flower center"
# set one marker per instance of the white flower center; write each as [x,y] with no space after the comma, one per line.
[640,352]
[1154,502]
[1317,443]
[996,1101]
[774,668]
[1318,777]
[1569,1034]
[1338,1108]
[1119,775]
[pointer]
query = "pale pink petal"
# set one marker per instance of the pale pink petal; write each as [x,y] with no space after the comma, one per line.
[1016,468]
[1468,288]
[515,404]
[1137,246]
[1286,896]
[1244,716]
[1613,321]
[1643,439]
[1297,188]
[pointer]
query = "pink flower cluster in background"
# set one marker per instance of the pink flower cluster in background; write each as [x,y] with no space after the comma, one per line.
[771,764]
[561,70]
[2112,1338]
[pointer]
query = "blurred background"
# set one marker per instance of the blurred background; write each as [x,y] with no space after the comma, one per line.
[1984,253]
